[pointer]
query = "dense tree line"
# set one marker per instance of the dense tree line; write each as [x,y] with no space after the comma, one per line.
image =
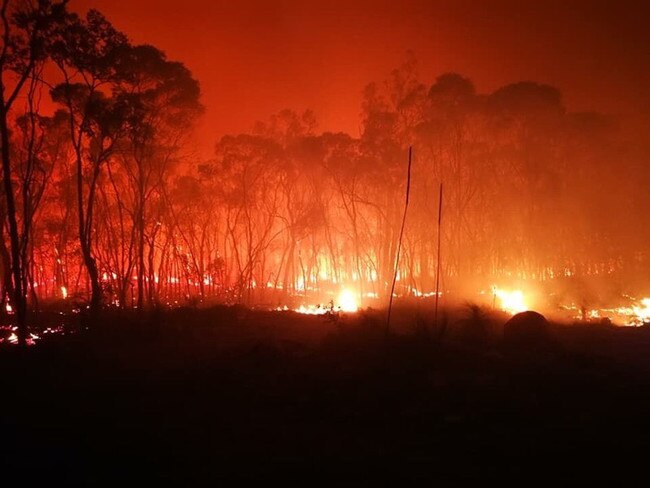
[101,203]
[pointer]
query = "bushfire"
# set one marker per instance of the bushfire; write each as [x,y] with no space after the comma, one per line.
[106,204]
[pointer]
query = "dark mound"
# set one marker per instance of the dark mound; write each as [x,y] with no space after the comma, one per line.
[526,329]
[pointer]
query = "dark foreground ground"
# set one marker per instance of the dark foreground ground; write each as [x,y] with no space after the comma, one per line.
[195,397]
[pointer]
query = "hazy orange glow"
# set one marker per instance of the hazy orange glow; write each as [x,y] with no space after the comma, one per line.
[256,57]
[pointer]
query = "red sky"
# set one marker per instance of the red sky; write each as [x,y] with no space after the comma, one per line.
[254,58]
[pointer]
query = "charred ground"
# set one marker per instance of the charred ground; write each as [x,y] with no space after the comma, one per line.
[226,394]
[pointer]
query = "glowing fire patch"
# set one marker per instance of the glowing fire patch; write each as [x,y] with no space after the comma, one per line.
[12,338]
[347,301]
[643,312]
[634,315]
[511,301]
[310,310]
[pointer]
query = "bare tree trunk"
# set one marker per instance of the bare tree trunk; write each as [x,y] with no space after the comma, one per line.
[16,268]
[140,225]
[85,240]
[5,258]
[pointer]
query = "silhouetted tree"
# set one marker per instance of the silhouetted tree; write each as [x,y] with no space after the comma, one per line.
[26,33]
[88,56]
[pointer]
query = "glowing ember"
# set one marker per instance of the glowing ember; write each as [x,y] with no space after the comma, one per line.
[511,301]
[9,336]
[64,292]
